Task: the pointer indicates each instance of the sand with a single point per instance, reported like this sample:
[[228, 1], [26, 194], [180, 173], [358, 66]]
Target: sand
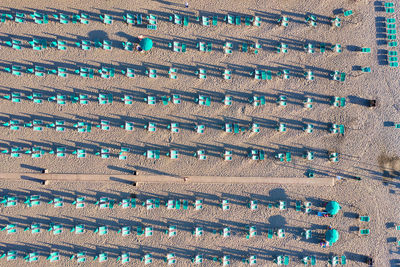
[[369, 146]]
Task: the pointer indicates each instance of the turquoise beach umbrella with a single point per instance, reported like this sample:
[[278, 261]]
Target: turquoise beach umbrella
[[332, 236], [333, 208], [146, 44]]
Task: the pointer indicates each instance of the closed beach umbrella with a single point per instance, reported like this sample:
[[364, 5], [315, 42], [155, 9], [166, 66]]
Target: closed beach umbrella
[[333, 208], [332, 236], [146, 44]]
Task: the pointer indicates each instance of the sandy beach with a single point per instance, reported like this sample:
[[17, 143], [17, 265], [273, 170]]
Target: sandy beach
[[369, 148]]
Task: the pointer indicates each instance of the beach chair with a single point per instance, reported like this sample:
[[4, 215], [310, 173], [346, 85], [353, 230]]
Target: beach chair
[[78, 229], [79, 202], [256, 21], [229, 19], [281, 100], [128, 126], [338, 101], [364, 232], [309, 48], [38, 44], [14, 44], [227, 155], [254, 127], [170, 258], [203, 100], [147, 259], [282, 48], [80, 257], [198, 231], [107, 73], [55, 228], [280, 127], [105, 99], [129, 18], [257, 101], [58, 202], [336, 48], [364, 218], [336, 22], [228, 47], [173, 127], [227, 74], [129, 72], [307, 234], [198, 204], [200, 154], [201, 73], [151, 127], [256, 154], [62, 18], [104, 203], [127, 203], [308, 103], [309, 260], [10, 228], [334, 260], [14, 97], [123, 153], [308, 155], [172, 73], [298, 205], [101, 230], [40, 18], [152, 154], [333, 156], [251, 231], [35, 228], [309, 75], [14, 70], [9, 255], [14, 125], [128, 46], [9, 201], [148, 231], [171, 231], [85, 72], [32, 257], [127, 99], [32, 201], [123, 258], [200, 128], [53, 256], [106, 19], [152, 73], [311, 20], [283, 21], [281, 205], [347, 13], [102, 257], [19, 17]]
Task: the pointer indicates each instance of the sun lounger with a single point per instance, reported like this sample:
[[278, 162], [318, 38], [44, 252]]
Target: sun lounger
[[251, 231], [364, 232], [198, 231], [307, 234], [123, 258], [80, 257], [202, 73], [101, 230], [129, 19], [106, 19], [336, 22]]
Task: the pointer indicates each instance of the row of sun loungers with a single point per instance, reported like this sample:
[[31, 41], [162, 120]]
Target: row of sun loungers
[[149, 204], [176, 46], [138, 18], [201, 154], [169, 259], [201, 73], [202, 100]]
